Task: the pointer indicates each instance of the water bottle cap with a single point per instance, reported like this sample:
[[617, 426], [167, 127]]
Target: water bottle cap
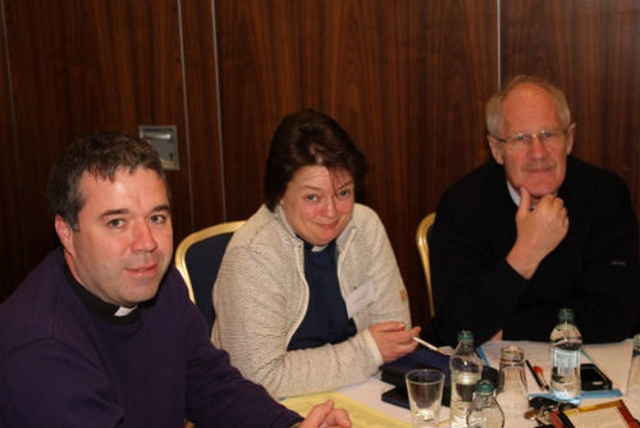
[[485, 386], [465, 336], [565, 314]]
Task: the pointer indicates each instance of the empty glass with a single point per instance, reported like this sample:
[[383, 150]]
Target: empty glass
[[512, 390], [424, 388]]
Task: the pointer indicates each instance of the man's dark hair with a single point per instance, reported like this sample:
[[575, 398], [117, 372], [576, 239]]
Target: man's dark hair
[[309, 138], [99, 154]]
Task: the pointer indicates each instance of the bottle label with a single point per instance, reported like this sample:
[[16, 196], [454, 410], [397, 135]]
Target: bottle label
[[464, 385], [565, 361]]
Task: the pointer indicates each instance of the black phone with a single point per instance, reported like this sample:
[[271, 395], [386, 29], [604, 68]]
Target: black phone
[[593, 379]]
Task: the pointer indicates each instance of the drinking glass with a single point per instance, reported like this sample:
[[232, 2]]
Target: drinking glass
[[424, 388], [632, 394], [512, 391]]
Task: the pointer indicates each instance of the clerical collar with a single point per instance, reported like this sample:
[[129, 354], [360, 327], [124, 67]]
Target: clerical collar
[[111, 313]]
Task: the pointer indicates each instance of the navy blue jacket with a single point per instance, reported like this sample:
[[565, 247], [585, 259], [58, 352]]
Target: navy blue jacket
[[594, 270]]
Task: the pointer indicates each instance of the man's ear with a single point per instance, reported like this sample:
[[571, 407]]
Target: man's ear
[[569, 137], [65, 233], [497, 149]]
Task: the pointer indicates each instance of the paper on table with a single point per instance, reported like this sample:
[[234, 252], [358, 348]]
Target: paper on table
[[360, 414], [613, 359], [614, 414]]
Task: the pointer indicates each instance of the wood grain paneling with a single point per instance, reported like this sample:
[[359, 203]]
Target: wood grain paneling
[[204, 154], [591, 49], [82, 65], [407, 80], [12, 266]]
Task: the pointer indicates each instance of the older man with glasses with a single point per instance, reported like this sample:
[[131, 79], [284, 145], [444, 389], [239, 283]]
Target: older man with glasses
[[532, 231]]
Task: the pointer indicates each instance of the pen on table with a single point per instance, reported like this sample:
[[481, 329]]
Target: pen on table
[[483, 356], [587, 355], [535, 375], [428, 345], [540, 373]]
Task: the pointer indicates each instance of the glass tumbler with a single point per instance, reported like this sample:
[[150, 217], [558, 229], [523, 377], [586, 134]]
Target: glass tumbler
[[512, 390], [424, 389]]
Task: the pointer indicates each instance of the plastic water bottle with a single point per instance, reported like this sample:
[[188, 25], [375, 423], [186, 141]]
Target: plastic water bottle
[[632, 394], [466, 369], [485, 411], [566, 342]]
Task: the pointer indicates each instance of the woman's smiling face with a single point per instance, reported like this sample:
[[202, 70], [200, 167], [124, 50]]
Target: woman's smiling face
[[318, 203]]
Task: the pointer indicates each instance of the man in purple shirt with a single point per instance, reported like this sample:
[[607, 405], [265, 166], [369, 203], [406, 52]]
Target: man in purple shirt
[[102, 332]]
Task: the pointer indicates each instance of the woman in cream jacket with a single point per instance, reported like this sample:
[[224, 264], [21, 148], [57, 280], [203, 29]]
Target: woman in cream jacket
[[309, 296]]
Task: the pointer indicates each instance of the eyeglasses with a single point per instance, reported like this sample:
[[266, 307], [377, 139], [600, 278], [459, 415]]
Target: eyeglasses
[[547, 137]]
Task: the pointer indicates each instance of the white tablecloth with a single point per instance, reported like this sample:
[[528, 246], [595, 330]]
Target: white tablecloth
[[613, 359]]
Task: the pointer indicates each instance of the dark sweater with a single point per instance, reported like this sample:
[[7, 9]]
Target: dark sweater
[[61, 365], [326, 319], [594, 270]]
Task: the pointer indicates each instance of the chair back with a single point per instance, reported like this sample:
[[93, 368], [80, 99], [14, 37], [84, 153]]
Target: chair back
[[422, 241], [198, 259]]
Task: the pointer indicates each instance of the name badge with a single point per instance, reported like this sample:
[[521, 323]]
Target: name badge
[[359, 298]]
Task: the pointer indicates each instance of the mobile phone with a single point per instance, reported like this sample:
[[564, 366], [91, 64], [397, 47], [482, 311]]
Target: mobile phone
[[593, 379]]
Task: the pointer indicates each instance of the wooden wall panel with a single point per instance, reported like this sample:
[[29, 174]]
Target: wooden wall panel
[[82, 65], [12, 266], [203, 150], [407, 80], [591, 49]]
